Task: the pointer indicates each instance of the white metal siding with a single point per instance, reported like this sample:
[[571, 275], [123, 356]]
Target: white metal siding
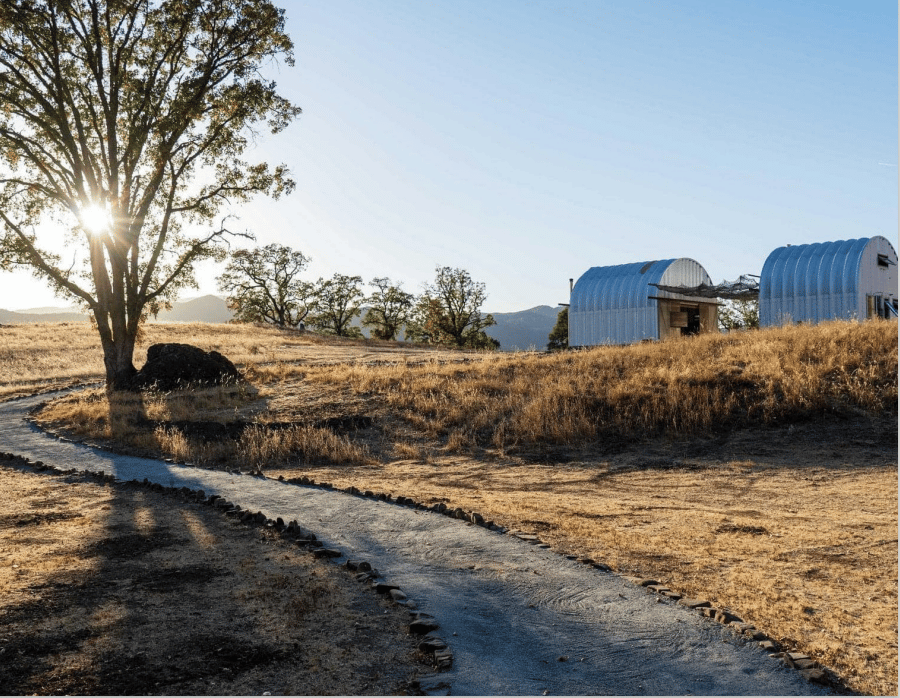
[[611, 305], [825, 280]]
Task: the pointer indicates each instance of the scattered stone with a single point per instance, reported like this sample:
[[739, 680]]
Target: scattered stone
[[326, 552], [358, 565], [804, 664], [444, 659], [369, 494], [431, 643], [815, 675], [658, 588], [458, 513], [709, 612], [724, 617], [693, 603], [741, 627], [364, 576], [645, 582], [385, 588], [476, 518], [757, 635], [397, 595], [423, 625], [769, 645]]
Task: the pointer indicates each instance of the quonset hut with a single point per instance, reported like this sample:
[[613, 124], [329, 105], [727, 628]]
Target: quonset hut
[[845, 279], [618, 304]]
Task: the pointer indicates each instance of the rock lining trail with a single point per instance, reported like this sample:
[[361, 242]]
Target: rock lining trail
[[520, 619]]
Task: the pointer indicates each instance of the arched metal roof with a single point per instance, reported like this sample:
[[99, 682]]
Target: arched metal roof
[[825, 280], [613, 305]]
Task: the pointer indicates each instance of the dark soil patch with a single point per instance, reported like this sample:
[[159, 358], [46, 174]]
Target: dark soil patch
[[167, 579], [35, 518], [734, 528], [131, 545]]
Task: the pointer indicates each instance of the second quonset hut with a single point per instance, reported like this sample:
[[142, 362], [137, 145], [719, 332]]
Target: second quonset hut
[[841, 280], [620, 305]]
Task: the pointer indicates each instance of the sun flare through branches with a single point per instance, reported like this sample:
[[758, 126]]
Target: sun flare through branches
[[95, 219]]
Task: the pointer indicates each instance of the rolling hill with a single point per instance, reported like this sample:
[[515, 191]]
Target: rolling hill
[[518, 331]]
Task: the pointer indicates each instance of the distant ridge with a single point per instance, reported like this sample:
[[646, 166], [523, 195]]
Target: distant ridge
[[519, 331], [9, 317], [208, 308], [525, 329]]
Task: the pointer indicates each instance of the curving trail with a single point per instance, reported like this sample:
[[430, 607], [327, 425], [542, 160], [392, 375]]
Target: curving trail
[[509, 610]]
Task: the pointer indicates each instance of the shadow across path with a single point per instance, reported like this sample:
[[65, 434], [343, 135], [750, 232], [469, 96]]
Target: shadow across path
[[519, 619]]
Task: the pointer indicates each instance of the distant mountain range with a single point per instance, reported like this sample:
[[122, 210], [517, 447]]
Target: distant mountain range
[[523, 330]]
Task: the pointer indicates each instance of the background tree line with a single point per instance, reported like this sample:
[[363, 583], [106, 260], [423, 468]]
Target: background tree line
[[264, 285]]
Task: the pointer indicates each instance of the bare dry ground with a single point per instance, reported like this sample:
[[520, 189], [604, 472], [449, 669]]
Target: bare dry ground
[[118, 590], [758, 472]]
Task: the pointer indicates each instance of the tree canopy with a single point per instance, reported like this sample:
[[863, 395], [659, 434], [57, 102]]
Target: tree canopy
[[125, 123], [389, 308], [739, 315], [338, 301], [559, 335], [263, 285], [449, 312]]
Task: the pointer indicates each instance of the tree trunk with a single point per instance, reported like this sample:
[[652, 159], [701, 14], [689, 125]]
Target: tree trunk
[[117, 357]]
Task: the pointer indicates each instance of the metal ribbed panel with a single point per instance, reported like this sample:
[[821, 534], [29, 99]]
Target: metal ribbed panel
[[610, 305], [825, 280]]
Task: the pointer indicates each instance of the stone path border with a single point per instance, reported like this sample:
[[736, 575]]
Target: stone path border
[[520, 619]]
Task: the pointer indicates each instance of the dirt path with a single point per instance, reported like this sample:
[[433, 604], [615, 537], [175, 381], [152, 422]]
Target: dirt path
[[519, 619]]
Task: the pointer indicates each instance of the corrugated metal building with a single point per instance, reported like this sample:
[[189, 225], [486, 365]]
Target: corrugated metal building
[[618, 305], [845, 279]]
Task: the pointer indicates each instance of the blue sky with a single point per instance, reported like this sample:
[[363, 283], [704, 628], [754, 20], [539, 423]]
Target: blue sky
[[529, 141]]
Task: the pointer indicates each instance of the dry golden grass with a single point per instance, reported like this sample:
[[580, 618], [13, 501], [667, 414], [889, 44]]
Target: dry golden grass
[[757, 470], [113, 590], [686, 386], [58, 354], [801, 543]]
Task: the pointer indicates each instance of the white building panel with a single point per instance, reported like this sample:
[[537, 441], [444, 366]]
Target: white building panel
[[845, 279], [616, 304]]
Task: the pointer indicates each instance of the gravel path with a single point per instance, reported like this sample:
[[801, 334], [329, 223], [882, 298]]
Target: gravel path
[[520, 620]]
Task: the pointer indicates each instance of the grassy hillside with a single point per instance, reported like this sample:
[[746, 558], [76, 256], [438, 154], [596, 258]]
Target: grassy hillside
[[755, 470]]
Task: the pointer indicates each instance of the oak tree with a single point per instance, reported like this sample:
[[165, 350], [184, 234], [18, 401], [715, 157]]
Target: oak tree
[[449, 312], [338, 301], [125, 122], [389, 309], [263, 285]]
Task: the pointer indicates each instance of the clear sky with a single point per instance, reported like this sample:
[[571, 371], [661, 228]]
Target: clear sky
[[529, 141]]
